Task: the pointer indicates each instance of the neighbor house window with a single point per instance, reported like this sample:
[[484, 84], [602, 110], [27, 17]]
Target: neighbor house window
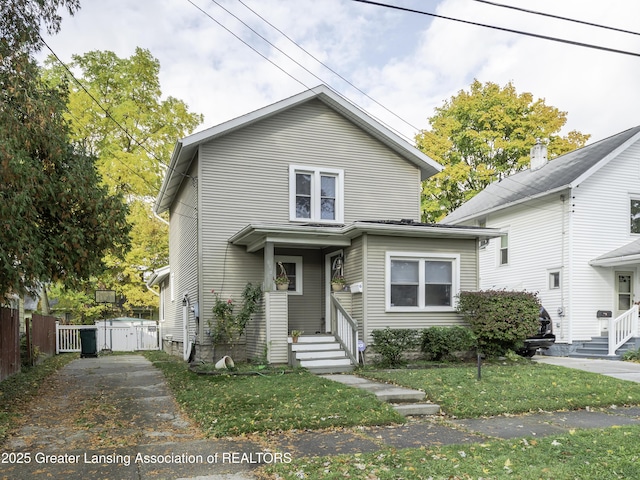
[[417, 281], [293, 266], [316, 194], [554, 280], [504, 250], [635, 215]]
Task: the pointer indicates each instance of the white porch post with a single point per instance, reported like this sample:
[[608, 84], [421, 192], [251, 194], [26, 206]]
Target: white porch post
[[269, 267]]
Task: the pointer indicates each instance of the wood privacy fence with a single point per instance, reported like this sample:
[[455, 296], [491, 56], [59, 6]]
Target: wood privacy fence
[[9, 342], [43, 334]]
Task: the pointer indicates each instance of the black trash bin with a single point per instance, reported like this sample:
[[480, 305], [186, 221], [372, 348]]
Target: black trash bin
[[88, 342]]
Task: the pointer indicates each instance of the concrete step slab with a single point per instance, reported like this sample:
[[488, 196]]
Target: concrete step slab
[[313, 355], [384, 391], [415, 409]]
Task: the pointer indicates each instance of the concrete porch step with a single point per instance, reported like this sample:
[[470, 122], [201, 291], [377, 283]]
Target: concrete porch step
[[598, 348], [404, 400], [325, 362], [315, 347], [320, 354]]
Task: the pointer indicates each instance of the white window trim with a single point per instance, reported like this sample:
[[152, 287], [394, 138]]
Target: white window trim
[[298, 261], [508, 248], [316, 172], [455, 280]]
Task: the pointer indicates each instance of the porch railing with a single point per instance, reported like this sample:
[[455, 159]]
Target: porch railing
[[622, 329], [345, 329]]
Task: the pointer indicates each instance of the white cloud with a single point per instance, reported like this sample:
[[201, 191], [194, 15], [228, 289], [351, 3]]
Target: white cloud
[[409, 63]]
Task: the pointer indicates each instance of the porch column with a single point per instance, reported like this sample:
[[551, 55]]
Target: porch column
[[269, 267]]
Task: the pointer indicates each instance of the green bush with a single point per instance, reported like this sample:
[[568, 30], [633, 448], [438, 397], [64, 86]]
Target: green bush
[[631, 356], [500, 319], [442, 343], [391, 344]]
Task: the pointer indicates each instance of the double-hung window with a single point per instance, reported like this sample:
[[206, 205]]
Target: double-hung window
[[504, 250], [417, 281], [316, 194], [634, 214]]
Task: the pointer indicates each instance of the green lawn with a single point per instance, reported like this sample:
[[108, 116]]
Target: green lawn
[[519, 388], [225, 405], [583, 454]]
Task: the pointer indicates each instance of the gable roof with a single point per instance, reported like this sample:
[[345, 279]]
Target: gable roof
[[186, 148], [564, 172]]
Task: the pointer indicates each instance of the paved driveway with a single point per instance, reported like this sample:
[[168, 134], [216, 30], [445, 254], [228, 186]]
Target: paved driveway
[[612, 368], [112, 417]]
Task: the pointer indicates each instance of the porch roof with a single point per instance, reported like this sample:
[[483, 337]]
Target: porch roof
[[628, 254], [255, 236], [158, 276]]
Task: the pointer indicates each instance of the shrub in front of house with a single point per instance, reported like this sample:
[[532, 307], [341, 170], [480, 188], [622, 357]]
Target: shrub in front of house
[[393, 343], [446, 343], [500, 319]]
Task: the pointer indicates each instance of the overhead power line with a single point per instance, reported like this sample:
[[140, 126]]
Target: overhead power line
[[503, 29], [327, 66], [558, 17], [287, 56]]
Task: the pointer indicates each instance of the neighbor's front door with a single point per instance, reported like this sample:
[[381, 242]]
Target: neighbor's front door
[[624, 291]]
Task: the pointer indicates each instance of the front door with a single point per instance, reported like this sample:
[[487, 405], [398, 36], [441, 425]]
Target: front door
[[624, 292], [334, 265]]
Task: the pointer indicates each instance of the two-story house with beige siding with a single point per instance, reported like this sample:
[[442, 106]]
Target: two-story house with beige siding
[[571, 233], [316, 185]]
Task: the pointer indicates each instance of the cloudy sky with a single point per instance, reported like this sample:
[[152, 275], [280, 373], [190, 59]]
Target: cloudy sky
[[212, 55]]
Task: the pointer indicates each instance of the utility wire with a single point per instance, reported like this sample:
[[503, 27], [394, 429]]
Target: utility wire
[[259, 53], [503, 29], [107, 113], [327, 66], [286, 55], [126, 132], [558, 17]]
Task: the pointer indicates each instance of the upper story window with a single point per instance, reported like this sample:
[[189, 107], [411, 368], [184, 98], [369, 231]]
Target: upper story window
[[635, 215], [316, 194]]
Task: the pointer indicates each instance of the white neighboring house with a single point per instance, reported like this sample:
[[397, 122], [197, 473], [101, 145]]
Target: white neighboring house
[[573, 236]]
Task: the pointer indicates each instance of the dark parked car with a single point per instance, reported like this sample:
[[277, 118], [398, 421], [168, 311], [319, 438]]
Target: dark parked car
[[543, 339]]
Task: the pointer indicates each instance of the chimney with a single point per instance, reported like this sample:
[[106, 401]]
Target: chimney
[[538, 155]]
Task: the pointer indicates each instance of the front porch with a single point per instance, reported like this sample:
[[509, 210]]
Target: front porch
[[620, 335], [333, 351]]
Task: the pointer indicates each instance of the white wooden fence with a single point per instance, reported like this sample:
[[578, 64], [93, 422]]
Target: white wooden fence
[[117, 338]]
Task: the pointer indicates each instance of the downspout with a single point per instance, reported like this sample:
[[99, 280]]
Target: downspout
[[185, 326], [563, 274], [159, 217]]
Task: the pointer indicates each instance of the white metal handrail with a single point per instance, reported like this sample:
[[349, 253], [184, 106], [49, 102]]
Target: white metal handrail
[[345, 329], [622, 329]]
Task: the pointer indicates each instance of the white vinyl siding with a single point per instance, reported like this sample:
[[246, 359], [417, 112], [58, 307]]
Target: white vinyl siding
[[600, 224], [535, 247]]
